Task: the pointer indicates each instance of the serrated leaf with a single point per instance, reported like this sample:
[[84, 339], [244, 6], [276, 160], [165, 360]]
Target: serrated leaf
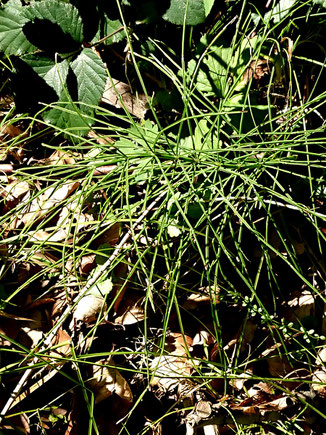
[[53, 73], [111, 26], [91, 78], [12, 39], [66, 115], [279, 11], [63, 14], [194, 10], [219, 63], [212, 75]]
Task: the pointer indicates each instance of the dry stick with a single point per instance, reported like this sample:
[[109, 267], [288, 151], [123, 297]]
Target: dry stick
[[66, 313]]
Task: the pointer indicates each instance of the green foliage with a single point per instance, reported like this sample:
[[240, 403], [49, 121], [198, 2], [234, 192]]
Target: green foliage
[[320, 2], [190, 12], [221, 190], [12, 37], [217, 68], [280, 10], [91, 77], [58, 59], [48, 37], [52, 72], [65, 15]]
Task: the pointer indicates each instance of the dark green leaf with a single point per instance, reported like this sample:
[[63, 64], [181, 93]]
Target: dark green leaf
[[212, 74], [57, 12], [67, 116], [91, 78], [111, 26], [195, 11], [279, 11], [54, 73], [12, 39]]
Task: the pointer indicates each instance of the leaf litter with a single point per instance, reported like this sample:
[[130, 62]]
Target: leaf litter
[[206, 374]]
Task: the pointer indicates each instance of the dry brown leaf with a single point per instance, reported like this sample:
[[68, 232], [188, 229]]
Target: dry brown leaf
[[12, 131], [6, 168], [87, 264], [74, 209], [261, 386], [262, 402], [100, 139], [132, 315], [302, 305], [12, 316], [104, 170], [205, 296], [203, 338], [57, 236], [46, 201], [30, 337], [106, 380], [8, 328], [168, 369], [319, 375], [290, 46], [88, 308], [39, 302], [119, 94], [238, 383], [109, 236], [63, 157], [178, 344], [257, 70], [278, 366], [62, 345], [16, 190]]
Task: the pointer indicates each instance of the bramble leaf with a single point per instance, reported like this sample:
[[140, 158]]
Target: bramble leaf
[[63, 14], [212, 75], [91, 78], [196, 11], [12, 38], [67, 116], [111, 26], [279, 11], [54, 73]]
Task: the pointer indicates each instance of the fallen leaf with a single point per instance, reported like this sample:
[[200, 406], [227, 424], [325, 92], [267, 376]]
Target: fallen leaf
[[132, 315], [61, 157], [87, 263], [88, 308], [106, 380], [302, 305], [319, 375], [120, 95], [257, 70], [204, 296], [6, 168], [44, 203], [168, 369], [61, 343]]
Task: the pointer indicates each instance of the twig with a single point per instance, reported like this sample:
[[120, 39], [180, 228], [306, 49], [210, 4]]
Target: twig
[[66, 313]]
